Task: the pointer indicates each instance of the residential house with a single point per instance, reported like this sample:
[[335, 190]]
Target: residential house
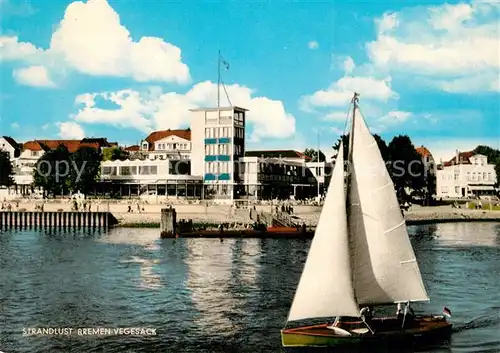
[[33, 150], [167, 144], [10, 145], [466, 175]]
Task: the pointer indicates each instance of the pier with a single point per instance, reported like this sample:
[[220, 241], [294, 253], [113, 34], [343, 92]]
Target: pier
[[58, 219]]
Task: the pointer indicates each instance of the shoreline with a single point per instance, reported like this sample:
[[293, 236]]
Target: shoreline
[[156, 225], [147, 215]]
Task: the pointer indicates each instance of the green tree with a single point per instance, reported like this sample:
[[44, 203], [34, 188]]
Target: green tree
[[345, 140], [313, 154], [382, 146], [493, 156], [52, 170], [6, 169], [406, 167], [85, 168], [114, 153]]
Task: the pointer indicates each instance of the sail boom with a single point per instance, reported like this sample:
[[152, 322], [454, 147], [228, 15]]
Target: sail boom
[[394, 302]]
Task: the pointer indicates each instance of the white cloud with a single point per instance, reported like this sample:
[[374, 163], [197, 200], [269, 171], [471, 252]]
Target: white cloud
[[387, 22], [154, 109], [36, 76], [70, 130], [337, 131], [313, 44], [340, 93], [91, 39], [395, 117], [349, 65], [457, 44], [12, 49], [15, 125], [336, 116]]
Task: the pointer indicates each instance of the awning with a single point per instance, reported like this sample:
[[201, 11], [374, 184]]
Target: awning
[[481, 187]]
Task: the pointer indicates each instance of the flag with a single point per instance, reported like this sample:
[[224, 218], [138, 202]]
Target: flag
[[446, 312], [224, 62]]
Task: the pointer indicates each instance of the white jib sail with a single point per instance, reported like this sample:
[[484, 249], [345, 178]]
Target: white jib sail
[[325, 287], [385, 269]]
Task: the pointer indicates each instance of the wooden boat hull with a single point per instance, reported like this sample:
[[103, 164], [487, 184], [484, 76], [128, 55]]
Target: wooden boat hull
[[422, 329]]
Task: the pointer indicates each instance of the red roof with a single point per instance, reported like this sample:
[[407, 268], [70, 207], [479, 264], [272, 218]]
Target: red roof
[[463, 158], [71, 145], [423, 151], [159, 135], [32, 146], [133, 148]]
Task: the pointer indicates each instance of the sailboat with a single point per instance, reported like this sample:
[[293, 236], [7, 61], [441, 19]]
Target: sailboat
[[360, 257]]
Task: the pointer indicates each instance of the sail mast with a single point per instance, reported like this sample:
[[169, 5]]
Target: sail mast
[[354, 102]]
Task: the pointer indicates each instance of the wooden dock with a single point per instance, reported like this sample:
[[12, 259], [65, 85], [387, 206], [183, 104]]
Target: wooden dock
[[59, 219]]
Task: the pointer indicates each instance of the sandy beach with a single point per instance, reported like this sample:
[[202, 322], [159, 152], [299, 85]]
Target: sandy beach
[[150, 213]]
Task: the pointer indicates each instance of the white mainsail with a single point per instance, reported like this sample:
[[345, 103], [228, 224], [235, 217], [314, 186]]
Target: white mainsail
[[384, 266], [325, 288]]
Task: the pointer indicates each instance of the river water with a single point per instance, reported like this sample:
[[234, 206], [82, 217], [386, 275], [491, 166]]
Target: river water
[[204, 295]]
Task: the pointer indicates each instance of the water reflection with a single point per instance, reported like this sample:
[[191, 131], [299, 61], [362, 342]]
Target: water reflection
[[146, 256], [204, 295], [468, 234], [209, 264]]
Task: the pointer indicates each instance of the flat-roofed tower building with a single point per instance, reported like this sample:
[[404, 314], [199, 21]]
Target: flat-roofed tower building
[[218, 142]]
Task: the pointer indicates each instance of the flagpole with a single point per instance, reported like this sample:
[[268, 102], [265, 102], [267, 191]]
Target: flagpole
[[218, 81], [319, 167]]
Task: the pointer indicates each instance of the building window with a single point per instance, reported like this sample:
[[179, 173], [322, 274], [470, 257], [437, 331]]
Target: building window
[[125, 171], [225, 119], [210, 150], [223, 149], [210, 132], [457, 189], [109, 170], [457, 176], [148, 170], [145, 146], [34, 153]]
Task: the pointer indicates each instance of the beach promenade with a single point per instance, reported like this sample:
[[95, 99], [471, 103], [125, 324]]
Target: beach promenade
[[143, 213]]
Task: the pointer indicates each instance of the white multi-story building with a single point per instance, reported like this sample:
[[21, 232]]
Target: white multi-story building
[[282, 174], [167, 144], [218, 142], [466, 175], [8, 144], [158, 178]]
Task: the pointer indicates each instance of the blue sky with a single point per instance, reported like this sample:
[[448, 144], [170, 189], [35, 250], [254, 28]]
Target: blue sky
[[124, 68]]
